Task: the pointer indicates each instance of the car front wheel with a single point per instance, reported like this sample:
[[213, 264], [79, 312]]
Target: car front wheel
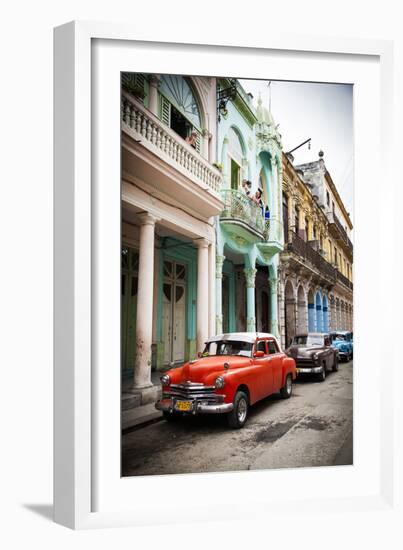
[[286, 390], [336, 363], [322, 375], [237, 417]]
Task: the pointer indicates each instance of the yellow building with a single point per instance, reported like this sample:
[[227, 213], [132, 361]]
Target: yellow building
[[316, 267]]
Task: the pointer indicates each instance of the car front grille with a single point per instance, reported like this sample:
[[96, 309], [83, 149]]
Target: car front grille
[[306, 362], [192, 391]]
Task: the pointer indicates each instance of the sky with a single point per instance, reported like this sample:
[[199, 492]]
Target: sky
[[322, 112]]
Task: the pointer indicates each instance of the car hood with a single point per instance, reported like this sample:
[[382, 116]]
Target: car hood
[[206, 369], [340, 344], [303, 351]]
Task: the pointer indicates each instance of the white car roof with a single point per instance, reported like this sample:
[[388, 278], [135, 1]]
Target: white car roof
[[241, 337]]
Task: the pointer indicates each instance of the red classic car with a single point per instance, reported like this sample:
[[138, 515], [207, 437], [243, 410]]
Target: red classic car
[[235, 371]]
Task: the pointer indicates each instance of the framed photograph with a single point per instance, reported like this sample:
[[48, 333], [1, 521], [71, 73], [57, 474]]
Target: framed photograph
[[219, 236]]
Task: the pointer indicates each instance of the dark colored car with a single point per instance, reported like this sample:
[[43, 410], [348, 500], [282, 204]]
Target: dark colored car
[[314, 354]]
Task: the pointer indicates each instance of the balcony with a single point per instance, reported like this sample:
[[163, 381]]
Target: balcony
[[340, 232], [241, 210], [342, 278], [246, 218], [305, 251], [155, 154]]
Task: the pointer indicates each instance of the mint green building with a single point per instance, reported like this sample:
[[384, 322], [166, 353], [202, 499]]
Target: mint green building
[[249, 235]]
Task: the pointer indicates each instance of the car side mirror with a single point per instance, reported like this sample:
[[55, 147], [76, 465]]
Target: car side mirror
[[258, 353]]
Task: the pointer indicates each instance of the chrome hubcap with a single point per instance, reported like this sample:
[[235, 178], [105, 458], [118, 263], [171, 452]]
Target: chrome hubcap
[[289, 384], [242, 409]]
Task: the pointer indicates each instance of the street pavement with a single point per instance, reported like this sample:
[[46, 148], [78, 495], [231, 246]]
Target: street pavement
[[312, 428]]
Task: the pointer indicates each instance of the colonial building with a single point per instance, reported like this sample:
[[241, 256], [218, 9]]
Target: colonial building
[[316, 267], [249, 232], [170, 197]]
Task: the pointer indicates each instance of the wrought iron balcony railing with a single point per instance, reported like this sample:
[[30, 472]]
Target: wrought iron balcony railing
[[164, 142], [344, 279], [305, 251], [333, 219], [239, 207]]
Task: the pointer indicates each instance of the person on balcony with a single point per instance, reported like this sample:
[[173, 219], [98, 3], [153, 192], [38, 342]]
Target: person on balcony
[[192, 139], [257, 199], [246, 185]]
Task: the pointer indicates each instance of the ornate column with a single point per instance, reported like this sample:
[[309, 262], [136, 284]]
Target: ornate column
[[153, 94], [274, 324], [218, 293], [212, 276], [250, 275], [144, 323], [202, 293], [206, 135]]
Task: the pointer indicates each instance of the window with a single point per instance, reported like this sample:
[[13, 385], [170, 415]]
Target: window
[[327, 198], [261, 346], [179, 108], [272, 347], [235, 175]]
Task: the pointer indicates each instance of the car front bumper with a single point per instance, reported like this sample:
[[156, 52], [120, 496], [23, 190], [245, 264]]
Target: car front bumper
[[309, 370], [169, 404]]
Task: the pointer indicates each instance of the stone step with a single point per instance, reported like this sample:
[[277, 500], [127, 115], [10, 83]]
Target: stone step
[[130, 400], [140, 415]]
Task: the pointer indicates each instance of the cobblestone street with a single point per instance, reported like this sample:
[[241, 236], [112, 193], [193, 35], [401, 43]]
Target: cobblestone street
[[313, 428]]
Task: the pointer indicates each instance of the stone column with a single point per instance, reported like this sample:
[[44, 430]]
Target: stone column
[[274, 307], [202, 293], [206, 136], [144, 324], [250, 275], [153, 94], [218, 293], [212, 276]]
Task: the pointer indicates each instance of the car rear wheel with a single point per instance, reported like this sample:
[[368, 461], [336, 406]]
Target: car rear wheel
[[286, 390], [336, 363], [237, 417]]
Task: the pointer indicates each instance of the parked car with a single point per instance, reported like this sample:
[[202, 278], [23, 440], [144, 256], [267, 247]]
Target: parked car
[[234, 371], [313, 354], [342, 340]]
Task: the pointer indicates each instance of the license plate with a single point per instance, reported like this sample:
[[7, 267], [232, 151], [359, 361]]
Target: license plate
[[183, 406]]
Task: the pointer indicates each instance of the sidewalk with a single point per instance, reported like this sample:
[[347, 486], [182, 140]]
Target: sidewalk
[[139, 407]]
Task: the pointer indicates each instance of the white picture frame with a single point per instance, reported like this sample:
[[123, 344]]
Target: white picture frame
[[88, 490]]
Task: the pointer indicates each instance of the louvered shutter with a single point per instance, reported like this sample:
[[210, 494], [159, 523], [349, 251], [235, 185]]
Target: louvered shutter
[[198, 141], [165, 111]]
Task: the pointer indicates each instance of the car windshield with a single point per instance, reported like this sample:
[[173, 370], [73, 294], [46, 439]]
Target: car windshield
[[228, 347], [308, 340], [340, 337]]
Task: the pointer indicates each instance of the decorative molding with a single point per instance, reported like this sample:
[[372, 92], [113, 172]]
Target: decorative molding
[[218, 266], [250, 276]]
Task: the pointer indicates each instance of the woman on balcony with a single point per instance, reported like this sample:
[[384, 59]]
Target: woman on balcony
[[257, 199]]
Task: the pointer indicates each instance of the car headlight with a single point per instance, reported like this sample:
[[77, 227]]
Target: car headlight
[[219, 382], [165, 380]]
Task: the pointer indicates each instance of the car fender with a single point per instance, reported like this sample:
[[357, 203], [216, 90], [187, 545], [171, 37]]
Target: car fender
[[288, 366]]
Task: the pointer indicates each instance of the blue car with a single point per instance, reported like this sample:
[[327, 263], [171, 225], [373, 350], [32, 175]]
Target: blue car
[[342, 340]]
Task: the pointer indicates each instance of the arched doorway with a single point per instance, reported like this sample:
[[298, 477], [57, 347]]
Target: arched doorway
[[311, 312], [290, 318], [318, 307], [302, 311], [325, 310]]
